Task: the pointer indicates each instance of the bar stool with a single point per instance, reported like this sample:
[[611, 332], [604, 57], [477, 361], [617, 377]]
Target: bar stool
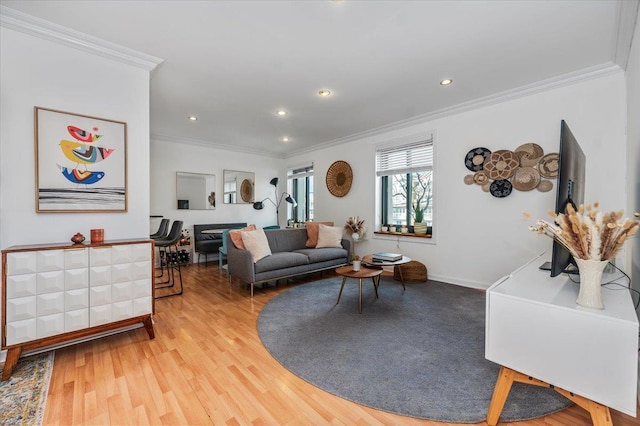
[[162, 231], [170, 259]]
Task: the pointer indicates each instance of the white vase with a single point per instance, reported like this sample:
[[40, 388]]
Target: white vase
[[590, 281]]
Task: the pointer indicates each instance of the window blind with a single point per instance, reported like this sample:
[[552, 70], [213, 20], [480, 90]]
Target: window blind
[[406, 158], [299, 172]]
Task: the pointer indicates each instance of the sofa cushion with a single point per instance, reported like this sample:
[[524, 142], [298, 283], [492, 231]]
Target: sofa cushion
[[329, 236], [237, 238], [256, 242], [286, 239], [312, 232], [316, 255], [281, 260]]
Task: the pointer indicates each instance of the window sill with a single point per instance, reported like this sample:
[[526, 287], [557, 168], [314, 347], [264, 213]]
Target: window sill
[[405, 234]]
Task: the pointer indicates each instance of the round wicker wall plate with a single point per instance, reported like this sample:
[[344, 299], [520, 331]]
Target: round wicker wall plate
[[525, 179], [339, 178], [245, 190], [549, 164], [529, 154]]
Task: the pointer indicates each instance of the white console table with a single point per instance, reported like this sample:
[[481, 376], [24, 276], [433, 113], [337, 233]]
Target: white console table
[[538, 334]]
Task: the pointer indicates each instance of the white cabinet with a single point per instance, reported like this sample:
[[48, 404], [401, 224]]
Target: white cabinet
[[56, 293], [533, 326]]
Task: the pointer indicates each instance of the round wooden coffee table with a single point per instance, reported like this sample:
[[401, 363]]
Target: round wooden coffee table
[[364, 272], [368, 261]]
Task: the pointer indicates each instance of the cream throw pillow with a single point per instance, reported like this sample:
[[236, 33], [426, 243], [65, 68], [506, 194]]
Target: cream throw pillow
[[329, 236], [257, 244]]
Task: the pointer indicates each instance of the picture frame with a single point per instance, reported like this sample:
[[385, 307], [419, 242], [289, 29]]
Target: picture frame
[[80, 163]]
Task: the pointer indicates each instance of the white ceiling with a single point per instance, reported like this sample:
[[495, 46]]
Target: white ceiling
[[233, 64]]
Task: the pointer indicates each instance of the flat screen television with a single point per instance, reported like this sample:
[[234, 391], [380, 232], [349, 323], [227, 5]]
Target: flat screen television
[[569, 190]]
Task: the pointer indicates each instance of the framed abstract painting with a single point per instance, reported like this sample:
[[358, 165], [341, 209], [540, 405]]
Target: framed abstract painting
[[81, 163]]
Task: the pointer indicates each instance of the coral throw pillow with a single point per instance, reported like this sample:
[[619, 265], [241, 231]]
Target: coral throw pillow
[[329, 236], [237, 238], [257, 244], [312, 232]]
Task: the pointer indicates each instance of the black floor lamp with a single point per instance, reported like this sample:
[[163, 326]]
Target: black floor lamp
[[259, 205]]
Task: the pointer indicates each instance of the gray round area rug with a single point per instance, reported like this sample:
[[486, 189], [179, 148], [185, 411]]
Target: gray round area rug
[[418, 353]]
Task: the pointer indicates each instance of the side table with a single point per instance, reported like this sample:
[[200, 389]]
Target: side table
[[367, 260], [364, 272]]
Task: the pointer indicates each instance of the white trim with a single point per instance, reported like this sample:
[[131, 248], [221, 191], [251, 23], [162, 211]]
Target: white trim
[[15, 20], [213, 145], [585, 74], [626, 23]]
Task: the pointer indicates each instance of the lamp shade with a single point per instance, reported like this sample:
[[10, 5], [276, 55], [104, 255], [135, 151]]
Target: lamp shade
[[274, 181], [258, 205], [291, 200]]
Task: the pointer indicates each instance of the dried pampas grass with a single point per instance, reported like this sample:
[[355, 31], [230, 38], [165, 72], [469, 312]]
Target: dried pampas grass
[[588, 233]]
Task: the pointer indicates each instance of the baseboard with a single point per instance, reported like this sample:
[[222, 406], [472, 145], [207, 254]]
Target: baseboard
[[464, 283]]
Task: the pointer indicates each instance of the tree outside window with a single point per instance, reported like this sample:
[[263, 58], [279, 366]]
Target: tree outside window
[[412, 197]]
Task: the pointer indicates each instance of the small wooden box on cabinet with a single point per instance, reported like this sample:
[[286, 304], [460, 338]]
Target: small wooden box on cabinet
[[55, 293]]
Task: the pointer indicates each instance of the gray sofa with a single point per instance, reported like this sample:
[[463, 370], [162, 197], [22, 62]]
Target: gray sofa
[[289, 257]]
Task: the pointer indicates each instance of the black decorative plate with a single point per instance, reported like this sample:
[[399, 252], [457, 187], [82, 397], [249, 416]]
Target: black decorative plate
[[474, 159], [500, 188]]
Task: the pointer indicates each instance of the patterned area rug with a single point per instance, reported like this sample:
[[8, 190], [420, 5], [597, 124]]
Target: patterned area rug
[[24, 395]]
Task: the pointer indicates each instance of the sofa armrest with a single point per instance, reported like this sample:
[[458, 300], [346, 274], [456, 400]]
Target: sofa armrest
[[240, 263], [346, 244]]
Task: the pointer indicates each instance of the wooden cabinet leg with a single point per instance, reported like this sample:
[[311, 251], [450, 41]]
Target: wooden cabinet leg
[[500, 394], [148, 325], [12, 359], [600, 414]]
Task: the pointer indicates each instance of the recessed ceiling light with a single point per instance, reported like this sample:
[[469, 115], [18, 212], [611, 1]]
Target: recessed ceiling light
[[324, 93], [193, 118], [285, 139], [281, 113], [446, 82]]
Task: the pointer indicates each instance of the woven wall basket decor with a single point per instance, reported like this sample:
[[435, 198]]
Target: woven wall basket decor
[[246, 190], [339, 178]]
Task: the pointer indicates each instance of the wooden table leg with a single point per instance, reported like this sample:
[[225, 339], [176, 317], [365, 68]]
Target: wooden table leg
[[359, 295], [375, 285], [401, 278], [344, 279]]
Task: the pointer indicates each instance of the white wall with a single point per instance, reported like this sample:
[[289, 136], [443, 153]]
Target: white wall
[[479, 238], [633, 150], [169, 157], [36, 72]]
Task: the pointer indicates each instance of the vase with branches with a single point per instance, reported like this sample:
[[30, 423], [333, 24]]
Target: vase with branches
[[593, 239]]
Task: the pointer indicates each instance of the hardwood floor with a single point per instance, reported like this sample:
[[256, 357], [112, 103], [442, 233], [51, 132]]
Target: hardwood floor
[[207, 366]]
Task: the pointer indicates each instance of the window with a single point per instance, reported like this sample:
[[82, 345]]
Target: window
[[300, 186], [405, 174]]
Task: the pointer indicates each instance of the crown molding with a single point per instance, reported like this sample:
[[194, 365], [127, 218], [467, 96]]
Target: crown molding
[[626, 23], [18, 21], [585, 74], [207, 144]]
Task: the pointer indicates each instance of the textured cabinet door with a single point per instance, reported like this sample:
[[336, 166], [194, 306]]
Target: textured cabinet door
[[125, 283], [37, 292]]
